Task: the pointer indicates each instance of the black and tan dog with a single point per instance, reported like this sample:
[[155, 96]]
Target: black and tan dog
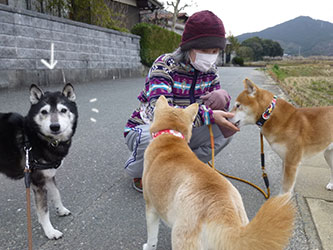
[[47, 129]]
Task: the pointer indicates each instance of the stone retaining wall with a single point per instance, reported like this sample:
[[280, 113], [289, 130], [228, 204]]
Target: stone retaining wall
[[84, 52]]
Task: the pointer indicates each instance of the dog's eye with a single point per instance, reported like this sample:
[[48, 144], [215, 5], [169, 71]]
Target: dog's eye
[[237, 105], [63, 110], [44, 112]]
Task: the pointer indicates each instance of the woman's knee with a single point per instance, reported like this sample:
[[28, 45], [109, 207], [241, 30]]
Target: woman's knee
[[221, 142], [138, 136]]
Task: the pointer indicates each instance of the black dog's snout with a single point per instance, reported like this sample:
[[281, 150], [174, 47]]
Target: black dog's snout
[[55, 127]]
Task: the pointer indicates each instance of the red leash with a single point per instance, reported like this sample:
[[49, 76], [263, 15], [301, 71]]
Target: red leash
[[27, 181]]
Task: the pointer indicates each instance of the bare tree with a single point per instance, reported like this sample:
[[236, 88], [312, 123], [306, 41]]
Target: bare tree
[[176, 8]]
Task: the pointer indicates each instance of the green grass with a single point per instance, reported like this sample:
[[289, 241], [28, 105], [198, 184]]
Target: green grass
[[279, 73]]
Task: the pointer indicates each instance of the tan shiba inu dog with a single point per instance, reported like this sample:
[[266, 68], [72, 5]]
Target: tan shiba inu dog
[[203, 208], [293, 133]]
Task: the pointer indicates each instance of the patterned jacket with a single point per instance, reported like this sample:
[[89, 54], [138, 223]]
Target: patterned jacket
[[181, 84]]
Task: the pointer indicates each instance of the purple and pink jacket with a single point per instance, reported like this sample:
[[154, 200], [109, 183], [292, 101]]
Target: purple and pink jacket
[[181, 84]]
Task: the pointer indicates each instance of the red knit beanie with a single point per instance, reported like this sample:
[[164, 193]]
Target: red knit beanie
[[203, 30]]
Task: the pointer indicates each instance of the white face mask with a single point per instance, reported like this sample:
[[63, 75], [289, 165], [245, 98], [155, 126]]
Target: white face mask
[[203, 62]]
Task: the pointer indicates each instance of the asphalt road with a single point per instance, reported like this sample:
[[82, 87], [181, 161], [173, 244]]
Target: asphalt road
[[106, 212]]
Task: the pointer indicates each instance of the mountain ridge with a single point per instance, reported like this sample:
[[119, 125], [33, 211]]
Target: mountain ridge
[[302, 35]]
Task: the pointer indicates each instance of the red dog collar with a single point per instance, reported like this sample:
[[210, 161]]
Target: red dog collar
[[168, 131]]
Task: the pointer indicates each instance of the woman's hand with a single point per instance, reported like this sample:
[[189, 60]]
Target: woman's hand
[[217, 99], [221, 119]]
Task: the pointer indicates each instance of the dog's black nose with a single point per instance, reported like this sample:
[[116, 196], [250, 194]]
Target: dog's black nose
[[55, 127]]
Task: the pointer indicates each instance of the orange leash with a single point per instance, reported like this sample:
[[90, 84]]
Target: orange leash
[[264, 175]]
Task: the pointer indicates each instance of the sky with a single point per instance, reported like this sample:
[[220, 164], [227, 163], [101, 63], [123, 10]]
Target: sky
[[242, 16]]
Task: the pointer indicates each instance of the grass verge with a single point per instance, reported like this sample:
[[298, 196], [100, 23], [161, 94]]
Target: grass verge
[[308, 84]]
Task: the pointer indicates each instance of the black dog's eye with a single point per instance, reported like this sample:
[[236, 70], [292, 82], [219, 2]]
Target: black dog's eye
[[44, 112], [63, 110]]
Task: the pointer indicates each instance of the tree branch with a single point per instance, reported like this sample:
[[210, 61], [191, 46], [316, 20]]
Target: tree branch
[[182, 8]]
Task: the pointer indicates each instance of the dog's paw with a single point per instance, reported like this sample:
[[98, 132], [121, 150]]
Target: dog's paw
[[53, 234], [62, 211], [329, 186], [149, 247]]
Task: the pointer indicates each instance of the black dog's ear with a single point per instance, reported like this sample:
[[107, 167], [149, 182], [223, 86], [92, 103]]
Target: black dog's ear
[[68, 91], [35, 94]]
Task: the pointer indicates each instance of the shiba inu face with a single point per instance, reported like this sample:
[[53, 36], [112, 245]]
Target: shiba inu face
[[247, 105], [55, 115], [243, 115]]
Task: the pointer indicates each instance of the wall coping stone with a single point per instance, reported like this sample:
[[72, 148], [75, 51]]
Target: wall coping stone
[[63, 20]]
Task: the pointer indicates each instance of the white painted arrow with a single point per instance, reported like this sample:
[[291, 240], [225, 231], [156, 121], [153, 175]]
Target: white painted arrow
[[52, 62]]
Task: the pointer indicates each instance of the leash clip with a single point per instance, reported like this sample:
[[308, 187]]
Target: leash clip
[[54, 143], [27, 150], [27, 171]]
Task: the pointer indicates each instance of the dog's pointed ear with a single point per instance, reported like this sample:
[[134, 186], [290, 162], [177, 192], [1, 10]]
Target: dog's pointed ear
[[192, 110], [35, 94], [250, 87], [68, 91], [161, 102]]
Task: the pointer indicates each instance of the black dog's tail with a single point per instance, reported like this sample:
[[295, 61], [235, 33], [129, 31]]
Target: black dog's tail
[[11, 144]]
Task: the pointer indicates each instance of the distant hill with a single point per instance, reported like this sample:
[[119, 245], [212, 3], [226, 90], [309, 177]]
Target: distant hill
[[302, 35]]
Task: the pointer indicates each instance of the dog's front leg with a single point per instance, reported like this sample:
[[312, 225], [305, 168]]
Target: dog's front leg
[[289, 177], [56, 198], [329, 159], [290, 167], [152, 220], [43, 212]]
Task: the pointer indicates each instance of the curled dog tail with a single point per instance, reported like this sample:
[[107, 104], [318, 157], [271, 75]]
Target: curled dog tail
[[270, 229]]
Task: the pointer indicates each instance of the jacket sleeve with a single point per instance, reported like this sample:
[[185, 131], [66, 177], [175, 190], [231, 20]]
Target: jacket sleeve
[[158, 82], [205, 114]]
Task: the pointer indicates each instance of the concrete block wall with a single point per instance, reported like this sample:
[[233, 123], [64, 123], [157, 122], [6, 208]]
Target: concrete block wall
[[84, 52]]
